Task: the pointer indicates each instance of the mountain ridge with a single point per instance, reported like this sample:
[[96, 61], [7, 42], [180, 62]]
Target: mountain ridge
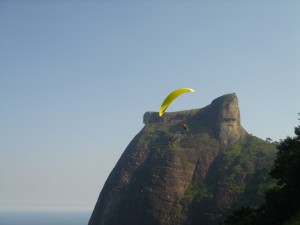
[[167, 175]]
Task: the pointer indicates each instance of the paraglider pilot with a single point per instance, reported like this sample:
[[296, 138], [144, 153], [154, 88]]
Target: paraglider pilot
[[185, 126]]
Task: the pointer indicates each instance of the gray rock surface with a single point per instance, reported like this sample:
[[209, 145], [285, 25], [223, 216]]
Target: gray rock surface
[[169, 176]]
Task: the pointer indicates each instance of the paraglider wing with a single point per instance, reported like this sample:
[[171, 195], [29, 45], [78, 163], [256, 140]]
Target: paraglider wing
[[171, 97]]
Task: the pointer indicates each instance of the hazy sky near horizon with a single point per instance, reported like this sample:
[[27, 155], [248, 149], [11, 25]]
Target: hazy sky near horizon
[[76, 78]]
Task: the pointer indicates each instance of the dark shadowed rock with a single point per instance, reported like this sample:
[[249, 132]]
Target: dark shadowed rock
[[169, 176]]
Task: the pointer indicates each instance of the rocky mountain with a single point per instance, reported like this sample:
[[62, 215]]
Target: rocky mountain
[[170, 176]]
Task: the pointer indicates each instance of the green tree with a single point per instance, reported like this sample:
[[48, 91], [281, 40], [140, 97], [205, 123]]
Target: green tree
[[283, 201]]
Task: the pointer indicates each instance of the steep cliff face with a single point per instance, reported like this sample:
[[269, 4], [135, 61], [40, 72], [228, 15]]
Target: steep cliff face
[[169, 176]]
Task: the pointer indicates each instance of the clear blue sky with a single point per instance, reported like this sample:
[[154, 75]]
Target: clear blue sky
[[76, 79]]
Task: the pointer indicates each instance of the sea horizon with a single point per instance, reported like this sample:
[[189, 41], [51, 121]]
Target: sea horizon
[[44, 216]]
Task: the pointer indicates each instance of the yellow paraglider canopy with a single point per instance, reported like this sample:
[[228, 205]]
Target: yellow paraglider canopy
[[169, 99]]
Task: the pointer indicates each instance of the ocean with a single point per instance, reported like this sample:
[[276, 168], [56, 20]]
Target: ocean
[[44, 217]]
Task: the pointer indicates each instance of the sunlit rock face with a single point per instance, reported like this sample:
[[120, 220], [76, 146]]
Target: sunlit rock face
[[169, 176], [227, 118]]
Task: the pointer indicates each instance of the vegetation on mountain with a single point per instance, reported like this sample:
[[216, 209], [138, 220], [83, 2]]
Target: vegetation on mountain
[[168, 175], [282, 201]]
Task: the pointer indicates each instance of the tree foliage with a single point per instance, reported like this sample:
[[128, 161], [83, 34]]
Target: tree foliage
[[282, 202]]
